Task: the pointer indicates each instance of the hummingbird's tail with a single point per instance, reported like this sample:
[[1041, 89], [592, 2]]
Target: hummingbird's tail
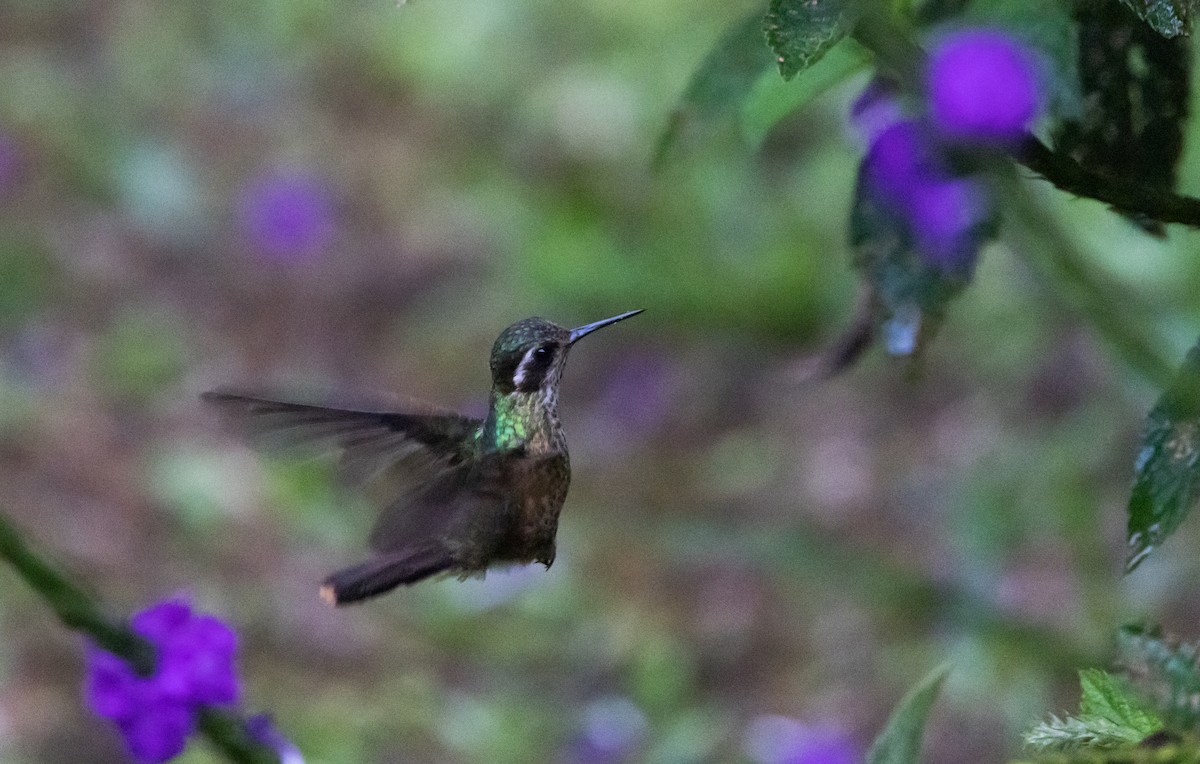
[[384, 573]]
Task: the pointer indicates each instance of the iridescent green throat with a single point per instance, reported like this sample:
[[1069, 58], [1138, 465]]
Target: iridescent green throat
[[518, 419]]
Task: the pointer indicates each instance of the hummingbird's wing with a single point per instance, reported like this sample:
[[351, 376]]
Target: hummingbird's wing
[[368, 443], [464, 500], [456, 523]]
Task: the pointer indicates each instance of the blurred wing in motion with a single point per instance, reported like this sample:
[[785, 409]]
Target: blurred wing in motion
[[452, 524], [416, 445]]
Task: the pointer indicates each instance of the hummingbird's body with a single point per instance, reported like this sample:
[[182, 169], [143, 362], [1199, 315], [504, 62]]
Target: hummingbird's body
[[476, 493]]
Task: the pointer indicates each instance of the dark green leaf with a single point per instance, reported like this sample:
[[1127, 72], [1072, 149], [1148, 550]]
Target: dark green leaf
[[1167, 473], [718, 88], [1135, 87], [801, 31], [911, 293], [1165, 672], [900, 740], [1170, 18]]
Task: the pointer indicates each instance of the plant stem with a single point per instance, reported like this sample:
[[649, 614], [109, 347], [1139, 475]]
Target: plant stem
[[72, 605], [81, 612]]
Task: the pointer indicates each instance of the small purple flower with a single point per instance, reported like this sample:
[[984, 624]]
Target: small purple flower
[[286, 215], [982, 87], [782, 740], [193, 668], [613, 727], [262, 728], [111, 687], [160, 735], [945, 215], [903, 156], [877, 108], [905, 171]]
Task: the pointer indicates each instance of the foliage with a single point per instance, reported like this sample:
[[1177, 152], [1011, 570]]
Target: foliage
[[800, 32], [1167, 472], [1165, 672], [900, 740], [1110, 716]]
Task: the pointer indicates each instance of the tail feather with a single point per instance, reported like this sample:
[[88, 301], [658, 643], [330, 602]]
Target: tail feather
[[384, 573]]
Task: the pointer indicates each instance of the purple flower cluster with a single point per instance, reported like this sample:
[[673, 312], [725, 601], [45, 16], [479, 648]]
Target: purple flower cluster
[[981, 91], [261, 728], [286, 216], [194, 667]]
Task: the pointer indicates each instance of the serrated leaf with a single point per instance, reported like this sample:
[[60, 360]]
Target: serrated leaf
[[1165, 673], [900, 740], [1108, 697], [1110, 716], [772, 98], [1076, 733], [1135, 87], [801, 31], [719, 86], [1170, 18], [1167, 473], [911, 292]]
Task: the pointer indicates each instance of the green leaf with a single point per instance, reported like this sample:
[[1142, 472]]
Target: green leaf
[[773, 98], [1170, 18], [1165, 672], [910, 292], [1110, 716], [900, 740], [1167, 472], [801, 31], [1108, 697], [1134, 86], [718, 88]]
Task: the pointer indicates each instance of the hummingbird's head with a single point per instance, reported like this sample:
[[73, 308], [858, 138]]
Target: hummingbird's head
[[529, 355]]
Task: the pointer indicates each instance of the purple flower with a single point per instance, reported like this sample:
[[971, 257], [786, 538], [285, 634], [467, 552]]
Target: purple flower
[[613, 727], [905, 171], [876, 109], [982, 87], [945, 215], [286, 215], [161, 735], [193, 668], [262, 728], [782, 740], [903, 156]]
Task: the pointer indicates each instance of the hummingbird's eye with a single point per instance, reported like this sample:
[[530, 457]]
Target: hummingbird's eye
[[533, 368]]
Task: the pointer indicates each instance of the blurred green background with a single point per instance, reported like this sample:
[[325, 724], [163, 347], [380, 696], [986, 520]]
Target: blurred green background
[[299, 197]]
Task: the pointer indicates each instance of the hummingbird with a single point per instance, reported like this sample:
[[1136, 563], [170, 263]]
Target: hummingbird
[[460, 494]]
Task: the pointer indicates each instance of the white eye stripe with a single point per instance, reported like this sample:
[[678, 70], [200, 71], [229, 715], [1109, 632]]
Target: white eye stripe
[[528, 361], [523, 367]]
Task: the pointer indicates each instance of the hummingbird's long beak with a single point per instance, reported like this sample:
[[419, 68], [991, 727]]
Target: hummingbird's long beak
[[587, 329]]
